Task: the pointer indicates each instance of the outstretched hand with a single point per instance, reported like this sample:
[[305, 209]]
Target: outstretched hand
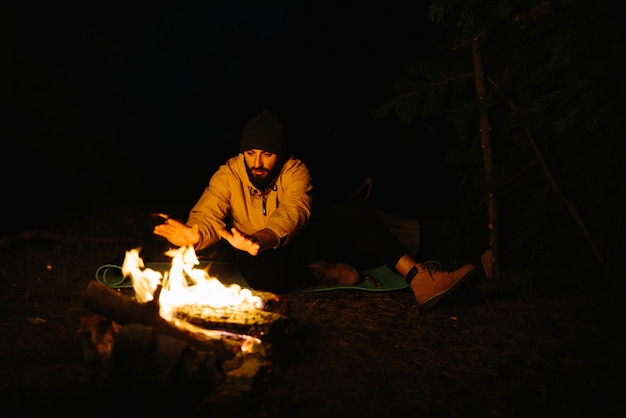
[[241, 241], [177, 232]]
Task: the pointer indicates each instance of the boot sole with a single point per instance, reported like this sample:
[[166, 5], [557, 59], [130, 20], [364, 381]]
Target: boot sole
[[429, 304]]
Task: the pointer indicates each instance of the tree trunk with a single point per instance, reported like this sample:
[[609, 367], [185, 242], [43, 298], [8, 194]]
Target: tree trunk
[[491, 257]]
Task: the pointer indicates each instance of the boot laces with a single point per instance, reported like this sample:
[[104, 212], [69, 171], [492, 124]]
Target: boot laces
[[431, 266]]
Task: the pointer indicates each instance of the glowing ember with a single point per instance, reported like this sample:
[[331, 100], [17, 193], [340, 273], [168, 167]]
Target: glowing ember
[[185, 285]]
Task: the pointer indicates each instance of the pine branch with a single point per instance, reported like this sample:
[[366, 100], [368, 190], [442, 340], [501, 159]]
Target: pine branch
[[557, 189]]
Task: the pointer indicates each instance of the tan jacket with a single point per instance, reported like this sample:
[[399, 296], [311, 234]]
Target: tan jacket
[[230, 194]]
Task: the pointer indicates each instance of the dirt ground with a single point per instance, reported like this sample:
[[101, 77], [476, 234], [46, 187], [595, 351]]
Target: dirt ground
[[533, 346]]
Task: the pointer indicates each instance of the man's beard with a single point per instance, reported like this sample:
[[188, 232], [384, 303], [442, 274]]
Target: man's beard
[[262, 183]]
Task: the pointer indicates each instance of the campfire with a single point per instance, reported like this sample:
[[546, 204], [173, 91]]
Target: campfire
[[188, 295], [238, 326]]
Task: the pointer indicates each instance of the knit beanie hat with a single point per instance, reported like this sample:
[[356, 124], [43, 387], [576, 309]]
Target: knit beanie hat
[[265, 132]]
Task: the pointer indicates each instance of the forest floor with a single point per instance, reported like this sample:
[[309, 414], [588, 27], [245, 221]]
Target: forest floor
[[518, 347]]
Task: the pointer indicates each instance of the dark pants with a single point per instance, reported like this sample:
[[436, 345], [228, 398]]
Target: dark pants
[[348, 231]]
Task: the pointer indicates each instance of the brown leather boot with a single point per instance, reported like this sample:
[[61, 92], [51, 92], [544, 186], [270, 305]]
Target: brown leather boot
[[430, 284], [341, 274]]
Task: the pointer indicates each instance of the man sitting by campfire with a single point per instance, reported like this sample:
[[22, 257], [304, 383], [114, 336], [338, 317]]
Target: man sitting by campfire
[[261, 202]]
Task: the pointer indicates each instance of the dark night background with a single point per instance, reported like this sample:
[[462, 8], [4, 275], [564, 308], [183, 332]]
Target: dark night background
[[136, 103], [112, 110]]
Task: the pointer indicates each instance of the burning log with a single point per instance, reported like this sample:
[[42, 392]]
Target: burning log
[[118, 307], [185, 324], [240, 344], [231, 328], [256, 323], [125, 310]]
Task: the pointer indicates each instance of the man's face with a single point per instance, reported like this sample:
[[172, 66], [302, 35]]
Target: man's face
[[260, 165]]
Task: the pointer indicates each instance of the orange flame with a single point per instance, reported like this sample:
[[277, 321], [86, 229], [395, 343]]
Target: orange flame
[[184, 284]]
